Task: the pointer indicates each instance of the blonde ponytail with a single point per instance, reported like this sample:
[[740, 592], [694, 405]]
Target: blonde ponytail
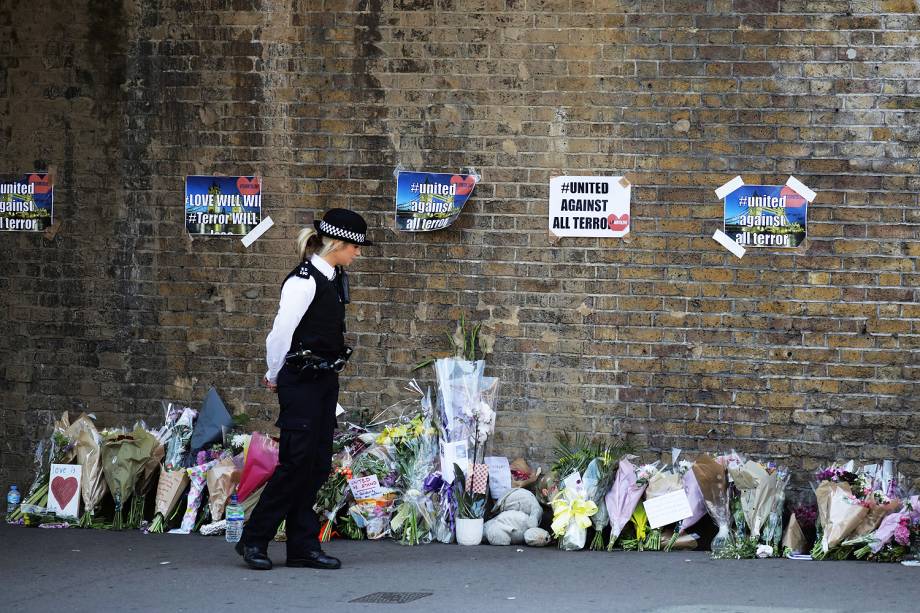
[[309, 241]]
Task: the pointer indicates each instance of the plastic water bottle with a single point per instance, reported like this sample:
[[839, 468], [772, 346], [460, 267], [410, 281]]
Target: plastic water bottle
[[12, 501], [234, 517]]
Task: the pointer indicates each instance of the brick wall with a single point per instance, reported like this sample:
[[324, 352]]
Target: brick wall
[[802, 355]]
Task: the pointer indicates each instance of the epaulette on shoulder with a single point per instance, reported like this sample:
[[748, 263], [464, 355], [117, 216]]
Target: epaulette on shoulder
[[303, 271]]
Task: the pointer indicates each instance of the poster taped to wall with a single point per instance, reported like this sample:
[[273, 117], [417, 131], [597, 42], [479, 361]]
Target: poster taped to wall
[[229, 206], [427, 201], [766, 216], [26, 202], [589, 206]]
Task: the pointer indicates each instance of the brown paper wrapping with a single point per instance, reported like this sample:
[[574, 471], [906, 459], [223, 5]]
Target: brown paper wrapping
[[148, 475], [794, 538], [838, 513], [874, 517], [88, 454], [758, 489], [710, 475], [222, 479], [663, 482], [170, 488]]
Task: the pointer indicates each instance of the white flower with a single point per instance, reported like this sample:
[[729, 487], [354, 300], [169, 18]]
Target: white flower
[[764, 551]]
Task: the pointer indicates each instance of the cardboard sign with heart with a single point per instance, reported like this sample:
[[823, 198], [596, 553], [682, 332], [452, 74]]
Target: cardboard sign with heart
[[63, 489]]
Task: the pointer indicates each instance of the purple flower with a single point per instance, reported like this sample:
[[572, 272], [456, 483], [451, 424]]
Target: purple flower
[[433, 482]]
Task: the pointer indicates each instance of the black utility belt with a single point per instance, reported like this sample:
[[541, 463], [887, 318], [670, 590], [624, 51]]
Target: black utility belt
[[306, 360]]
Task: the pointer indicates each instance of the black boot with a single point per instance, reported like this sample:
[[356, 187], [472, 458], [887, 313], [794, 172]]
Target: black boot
[[255, 557], [314, 559]]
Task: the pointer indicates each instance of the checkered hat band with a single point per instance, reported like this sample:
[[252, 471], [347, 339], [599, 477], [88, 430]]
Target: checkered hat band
[[331, 230]]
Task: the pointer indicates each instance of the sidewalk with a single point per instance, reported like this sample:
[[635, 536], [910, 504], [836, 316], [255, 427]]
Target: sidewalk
[[80, 570]]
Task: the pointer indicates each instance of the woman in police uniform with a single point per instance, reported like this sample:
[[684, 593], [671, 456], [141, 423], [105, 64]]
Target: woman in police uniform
[[305, 351]]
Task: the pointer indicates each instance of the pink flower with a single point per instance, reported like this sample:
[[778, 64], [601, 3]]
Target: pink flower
[[902, 533]]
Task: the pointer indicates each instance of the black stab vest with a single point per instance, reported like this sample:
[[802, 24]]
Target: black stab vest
[[322, 327]]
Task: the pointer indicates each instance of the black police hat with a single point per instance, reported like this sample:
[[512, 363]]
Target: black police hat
[[343, 225]]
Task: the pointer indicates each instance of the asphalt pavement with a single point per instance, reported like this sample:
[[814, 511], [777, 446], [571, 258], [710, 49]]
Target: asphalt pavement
[[97, 570]]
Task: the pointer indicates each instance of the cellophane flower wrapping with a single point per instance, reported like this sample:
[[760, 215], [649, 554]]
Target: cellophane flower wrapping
[[88, 441], [622, 498], [123, 459], [373, 514], [414, 518], [694, 497], [465, 412], [597, 480], [713, 483], [179, 439], [761, 492], [572, 512], [198, 479]]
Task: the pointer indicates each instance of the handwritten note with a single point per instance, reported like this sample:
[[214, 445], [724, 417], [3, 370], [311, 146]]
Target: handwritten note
[[365, 487]]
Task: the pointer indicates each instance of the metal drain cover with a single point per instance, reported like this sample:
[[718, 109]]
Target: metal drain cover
[[391, 597]]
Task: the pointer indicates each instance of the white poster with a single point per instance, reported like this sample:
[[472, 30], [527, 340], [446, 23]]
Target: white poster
[[499, 475], [64, 490], [589, 206], [454, 453]]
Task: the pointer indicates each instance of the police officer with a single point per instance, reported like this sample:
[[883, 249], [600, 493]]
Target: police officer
[[304, 351]]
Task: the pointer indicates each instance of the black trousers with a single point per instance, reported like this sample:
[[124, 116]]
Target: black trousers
[[307, 421]]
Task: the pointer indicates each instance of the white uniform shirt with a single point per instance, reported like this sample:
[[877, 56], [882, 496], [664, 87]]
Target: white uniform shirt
[[296, 295]]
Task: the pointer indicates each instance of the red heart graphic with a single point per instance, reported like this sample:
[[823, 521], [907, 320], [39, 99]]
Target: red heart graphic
[[465, 184], [793, 199], [42, 183], [618, 223], [64, 489], [248, 186]]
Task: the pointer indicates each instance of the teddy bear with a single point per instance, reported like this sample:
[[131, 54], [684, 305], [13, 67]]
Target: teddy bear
[[519, 514]]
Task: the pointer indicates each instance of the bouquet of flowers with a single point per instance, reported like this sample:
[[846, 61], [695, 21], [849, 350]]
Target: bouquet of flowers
[[852, 504], [170, 487], [198, 479], [261, 460], [596, 460], [713, 483], [88, 441], [757, 506], [892, 540], [624, 496], [333, 494], [415, 457], [221, 481], [180, 435], [124, 457], [58, 449], [839, 513], [144, 484], [572, 512]]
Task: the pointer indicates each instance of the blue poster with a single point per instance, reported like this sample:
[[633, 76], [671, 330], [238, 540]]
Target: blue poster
[[766, 216], [427, 201], [26, 203], [222, 205]]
